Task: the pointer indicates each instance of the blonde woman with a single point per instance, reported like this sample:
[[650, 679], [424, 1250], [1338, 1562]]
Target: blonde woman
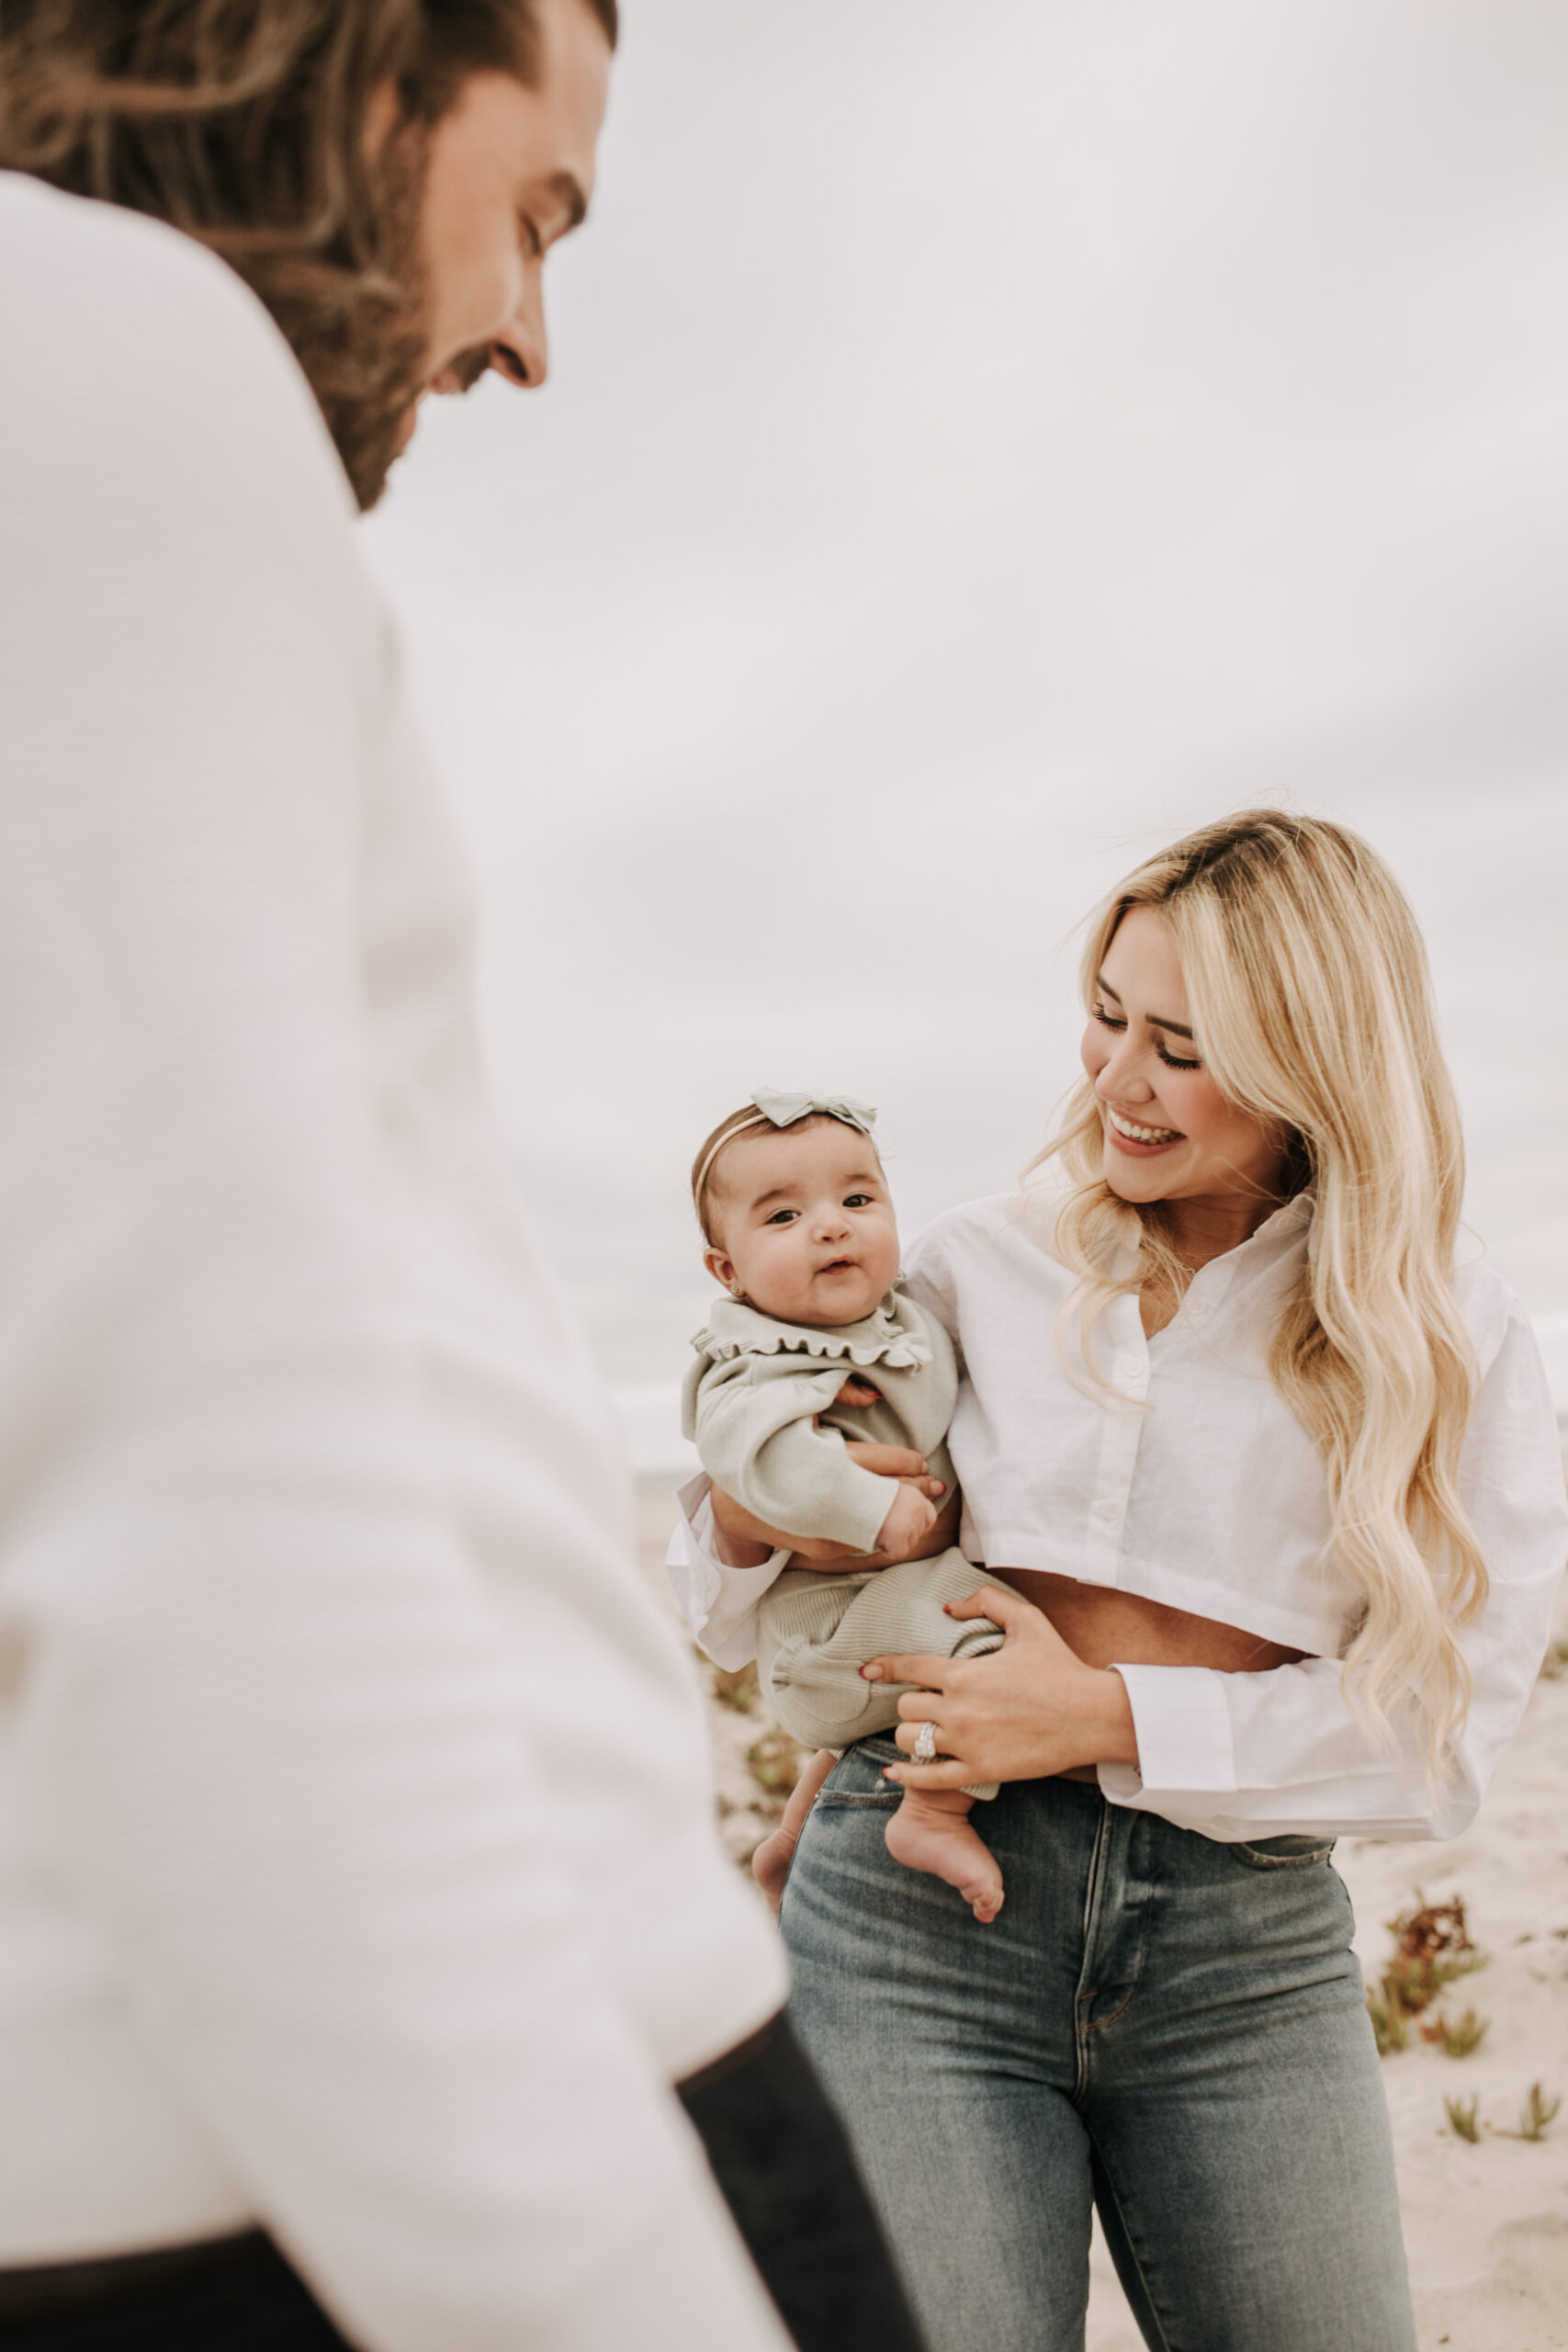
[[1268, 1489]]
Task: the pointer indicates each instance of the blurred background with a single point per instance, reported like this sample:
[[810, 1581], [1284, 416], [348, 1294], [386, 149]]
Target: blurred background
[[981, 445]]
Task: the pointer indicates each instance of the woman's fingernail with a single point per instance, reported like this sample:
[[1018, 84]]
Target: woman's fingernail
[[947, 1607], [939, 1486], [871, 1673]]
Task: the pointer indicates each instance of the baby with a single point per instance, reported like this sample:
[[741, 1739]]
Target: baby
[[795, 1213]]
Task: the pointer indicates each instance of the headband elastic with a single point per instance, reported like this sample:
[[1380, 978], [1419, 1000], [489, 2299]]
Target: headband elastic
[[777, 1109]]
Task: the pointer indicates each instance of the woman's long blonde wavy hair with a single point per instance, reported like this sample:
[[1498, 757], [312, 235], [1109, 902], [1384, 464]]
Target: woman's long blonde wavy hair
[[1311, 1001]]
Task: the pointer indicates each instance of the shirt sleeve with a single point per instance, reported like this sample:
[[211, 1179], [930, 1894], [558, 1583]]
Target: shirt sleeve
[[756, 1431], [928, 1280], [262, 1729], [719, 1603], [1242, 1756]]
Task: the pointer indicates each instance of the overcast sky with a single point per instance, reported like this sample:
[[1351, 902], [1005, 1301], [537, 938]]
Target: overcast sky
[[982, 444]]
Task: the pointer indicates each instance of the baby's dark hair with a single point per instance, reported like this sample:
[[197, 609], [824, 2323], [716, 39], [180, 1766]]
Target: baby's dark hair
[[747, 1120]]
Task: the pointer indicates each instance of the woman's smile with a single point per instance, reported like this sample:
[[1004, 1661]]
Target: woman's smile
[[1128, 1135]]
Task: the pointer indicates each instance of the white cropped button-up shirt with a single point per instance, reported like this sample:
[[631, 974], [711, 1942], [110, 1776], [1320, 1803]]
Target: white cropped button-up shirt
[[1206, 1494]]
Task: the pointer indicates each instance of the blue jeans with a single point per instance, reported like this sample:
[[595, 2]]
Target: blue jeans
[[1168, 2029]]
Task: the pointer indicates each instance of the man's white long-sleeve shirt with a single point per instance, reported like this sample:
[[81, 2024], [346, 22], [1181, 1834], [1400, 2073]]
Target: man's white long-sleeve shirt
[[356, 1867]]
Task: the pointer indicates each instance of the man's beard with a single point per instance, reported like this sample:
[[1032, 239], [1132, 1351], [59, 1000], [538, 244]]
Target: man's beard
[[369, 361]]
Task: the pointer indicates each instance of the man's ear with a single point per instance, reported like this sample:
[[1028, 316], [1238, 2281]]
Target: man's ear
[[721, 1268], [382, 111]]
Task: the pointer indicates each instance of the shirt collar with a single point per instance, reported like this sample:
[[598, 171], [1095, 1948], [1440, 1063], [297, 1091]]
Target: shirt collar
[[1282, 1232]]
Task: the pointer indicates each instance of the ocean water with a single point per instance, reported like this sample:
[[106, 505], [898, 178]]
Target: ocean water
[[970, 462]]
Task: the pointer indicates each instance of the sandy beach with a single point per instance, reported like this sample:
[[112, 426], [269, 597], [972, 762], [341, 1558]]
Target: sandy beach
[[1485, 2221]]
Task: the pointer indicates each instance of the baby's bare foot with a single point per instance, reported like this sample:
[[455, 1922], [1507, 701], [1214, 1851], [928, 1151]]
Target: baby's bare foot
[[770, 1862], [930, 1831]]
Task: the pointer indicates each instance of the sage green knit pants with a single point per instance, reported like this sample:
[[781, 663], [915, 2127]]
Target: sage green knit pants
[[815, 1632]]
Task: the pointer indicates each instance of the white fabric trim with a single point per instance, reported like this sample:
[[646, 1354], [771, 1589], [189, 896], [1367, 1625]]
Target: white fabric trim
[[1183, 1732], [719, 1603]]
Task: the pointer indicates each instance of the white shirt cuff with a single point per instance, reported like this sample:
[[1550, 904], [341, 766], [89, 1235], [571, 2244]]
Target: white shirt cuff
[[719, 1603], [1183, 1729], [680, 2277]]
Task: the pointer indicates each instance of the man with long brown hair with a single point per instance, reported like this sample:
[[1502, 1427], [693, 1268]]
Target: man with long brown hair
[[359, 1901]]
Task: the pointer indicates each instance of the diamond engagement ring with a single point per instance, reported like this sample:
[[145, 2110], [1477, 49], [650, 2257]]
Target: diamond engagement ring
[[925, 1744]]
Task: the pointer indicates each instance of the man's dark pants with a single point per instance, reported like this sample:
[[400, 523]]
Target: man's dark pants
[[778, 2153]]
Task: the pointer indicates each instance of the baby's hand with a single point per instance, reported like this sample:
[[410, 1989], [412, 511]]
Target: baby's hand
[[910, 1517]]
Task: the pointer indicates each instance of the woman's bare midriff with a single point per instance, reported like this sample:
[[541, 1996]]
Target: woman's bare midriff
[[1109, 1628]]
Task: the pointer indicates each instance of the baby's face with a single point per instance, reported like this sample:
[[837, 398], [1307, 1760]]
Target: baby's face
[[805, 1224]]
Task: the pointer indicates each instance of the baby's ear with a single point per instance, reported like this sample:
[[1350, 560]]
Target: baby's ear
[[721, 1268]]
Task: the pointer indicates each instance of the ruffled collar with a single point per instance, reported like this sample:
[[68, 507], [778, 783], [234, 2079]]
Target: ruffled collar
[[882, 1337]]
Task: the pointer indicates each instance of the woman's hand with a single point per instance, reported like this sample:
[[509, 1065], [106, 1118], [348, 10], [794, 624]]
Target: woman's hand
[[1019, 1713], [745, 1540]]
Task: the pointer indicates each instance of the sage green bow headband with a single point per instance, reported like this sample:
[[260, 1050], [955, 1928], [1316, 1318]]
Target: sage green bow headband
[[777, 1109], [784, 1110]]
